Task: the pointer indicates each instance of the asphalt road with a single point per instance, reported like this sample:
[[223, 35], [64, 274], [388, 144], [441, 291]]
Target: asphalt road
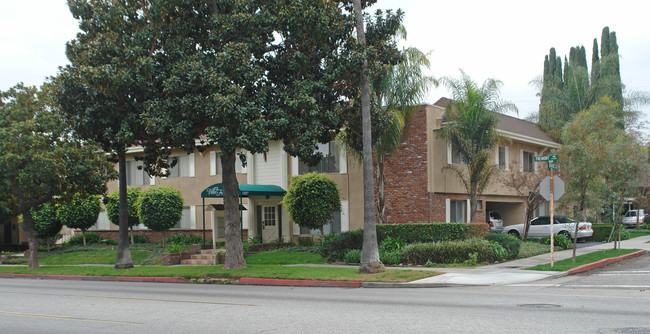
[[611, 300]]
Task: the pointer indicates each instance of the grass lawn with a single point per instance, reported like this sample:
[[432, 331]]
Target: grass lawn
[[567, 264], [104, 256], [260, 265]]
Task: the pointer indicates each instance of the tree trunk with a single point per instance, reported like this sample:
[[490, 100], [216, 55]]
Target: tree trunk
[[123, 260], [32, 236], [234, 245], [83, 237], [381, 195], [370, 262]]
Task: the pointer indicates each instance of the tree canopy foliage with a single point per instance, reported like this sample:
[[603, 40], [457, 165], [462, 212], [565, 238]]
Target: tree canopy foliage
[[41, 158], [566, 92], [160, 208], [46, 223]]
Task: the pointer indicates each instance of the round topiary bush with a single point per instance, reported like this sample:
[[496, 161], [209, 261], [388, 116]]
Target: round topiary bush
[[311, 200], [46, 224], [81, 213], [160, 208], [112, 203]]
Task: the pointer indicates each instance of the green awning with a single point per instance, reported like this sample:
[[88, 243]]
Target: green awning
[[245, 190]]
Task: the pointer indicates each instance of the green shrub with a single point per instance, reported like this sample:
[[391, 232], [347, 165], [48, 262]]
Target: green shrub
[[160, 208], [429, 232], [248, 243], [81, 213], [333, 247], [511, 244], [112, 203], [391, 244], [352, 256], [311, 200], [46, 224], [91, 238], [306, 242], [175, 248], [139, 239], [447, 252], [111, 242], [500, 252], [184, 239], [601, 232], [390, 257], [558, 241]]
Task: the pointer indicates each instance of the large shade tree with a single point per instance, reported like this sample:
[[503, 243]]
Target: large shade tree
[[104, 89], [471, 121], [41, 159]]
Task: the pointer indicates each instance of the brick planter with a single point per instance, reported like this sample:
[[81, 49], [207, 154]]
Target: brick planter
[[171, 259]]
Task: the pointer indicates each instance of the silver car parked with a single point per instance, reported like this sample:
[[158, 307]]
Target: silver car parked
[[541, 227]]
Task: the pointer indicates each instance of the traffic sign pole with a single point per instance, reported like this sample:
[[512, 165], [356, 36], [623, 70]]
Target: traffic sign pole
[[552, 221]]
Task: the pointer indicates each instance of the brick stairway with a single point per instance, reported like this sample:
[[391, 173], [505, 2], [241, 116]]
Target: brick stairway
[[207, 257]]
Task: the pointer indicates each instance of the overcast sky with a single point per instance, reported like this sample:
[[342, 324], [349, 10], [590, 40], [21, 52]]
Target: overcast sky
[[505, 40]]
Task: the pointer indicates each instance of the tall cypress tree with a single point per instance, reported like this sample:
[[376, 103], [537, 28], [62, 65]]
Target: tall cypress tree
[[565, 93]]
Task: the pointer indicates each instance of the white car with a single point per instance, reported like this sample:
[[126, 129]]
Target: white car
[[541, 227], [630, 217], [495, 221]]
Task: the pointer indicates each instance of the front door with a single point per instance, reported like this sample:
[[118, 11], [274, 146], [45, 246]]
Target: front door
[[269, 223]]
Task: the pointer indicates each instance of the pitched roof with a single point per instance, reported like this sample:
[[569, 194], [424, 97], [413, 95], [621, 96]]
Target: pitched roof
[[509, 124]]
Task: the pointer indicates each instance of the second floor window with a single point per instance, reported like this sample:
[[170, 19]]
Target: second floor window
[[503, 158], [218, 169], [182, 167], [456, 158], [528, 162], [135, 174], [330, 163]]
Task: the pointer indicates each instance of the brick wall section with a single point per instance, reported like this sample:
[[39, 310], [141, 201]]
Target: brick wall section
[[406, 176]]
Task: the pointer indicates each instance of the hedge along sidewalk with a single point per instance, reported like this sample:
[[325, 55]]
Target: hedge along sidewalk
[[590, 261]]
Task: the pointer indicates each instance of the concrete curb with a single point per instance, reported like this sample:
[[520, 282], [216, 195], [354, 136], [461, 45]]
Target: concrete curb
[[295, 282], [100, 278], [603, 262]]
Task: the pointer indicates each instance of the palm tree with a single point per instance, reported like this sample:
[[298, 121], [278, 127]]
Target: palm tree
[[394, 92], [471, 129]]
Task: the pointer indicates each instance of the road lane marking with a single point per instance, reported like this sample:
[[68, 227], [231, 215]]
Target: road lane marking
[[63, 317], [133, 298]]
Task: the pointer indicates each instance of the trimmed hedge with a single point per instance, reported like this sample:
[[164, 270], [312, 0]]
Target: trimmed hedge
[[602, 231], [333, 247], [182, 239], [511, 243], [430, 232], [447, 252]]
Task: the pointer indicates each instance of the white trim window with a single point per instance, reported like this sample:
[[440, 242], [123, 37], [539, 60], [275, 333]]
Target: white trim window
[[458, 210], [333, 227], [330, 163], [216, 168], [502, 157], [186, 219], [184, 166], [453, 157], [135, 174], [527, 161]]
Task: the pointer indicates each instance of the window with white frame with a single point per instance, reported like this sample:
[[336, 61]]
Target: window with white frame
[[502, 158], [330, 163], [135, 174], [333, 227], [457, 211], [102, 222], [182, 167], [456, 157], [185, 222], [218, 168], [528, 162]]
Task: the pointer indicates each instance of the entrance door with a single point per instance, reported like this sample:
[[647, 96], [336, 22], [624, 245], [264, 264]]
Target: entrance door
[[269, 223]]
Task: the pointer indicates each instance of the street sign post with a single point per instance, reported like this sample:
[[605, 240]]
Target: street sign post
[[551, 160]]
